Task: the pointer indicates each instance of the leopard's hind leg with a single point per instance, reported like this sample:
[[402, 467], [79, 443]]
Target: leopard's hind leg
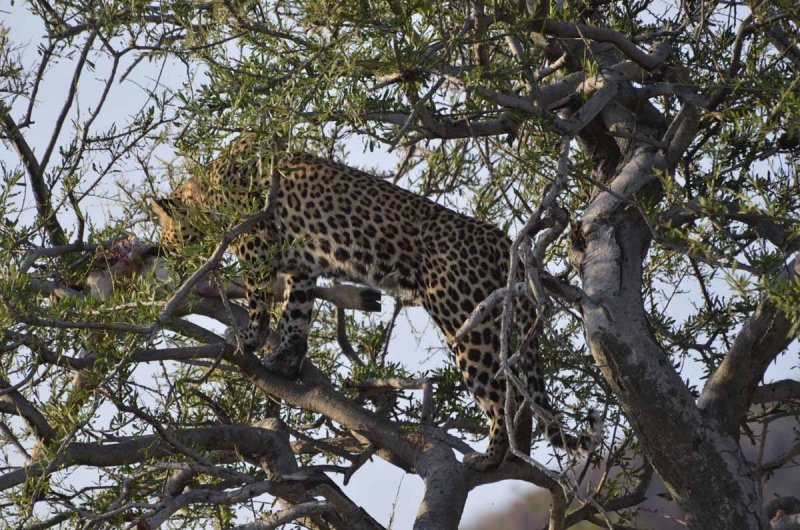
[[477, 359], [294, 327]]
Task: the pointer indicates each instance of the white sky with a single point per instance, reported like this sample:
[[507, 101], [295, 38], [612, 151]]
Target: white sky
[[382, 489]]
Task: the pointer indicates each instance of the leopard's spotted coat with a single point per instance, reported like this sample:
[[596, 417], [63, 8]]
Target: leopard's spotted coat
[[338, 222]]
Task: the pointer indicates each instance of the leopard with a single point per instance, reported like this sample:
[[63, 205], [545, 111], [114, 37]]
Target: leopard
[[334, 221]]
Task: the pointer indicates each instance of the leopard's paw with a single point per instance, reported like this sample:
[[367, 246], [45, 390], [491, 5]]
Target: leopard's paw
[[247, 341], [482, 461], [288, 359]]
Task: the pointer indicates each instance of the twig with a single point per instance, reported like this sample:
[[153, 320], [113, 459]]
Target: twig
[[395, 382], [398, 306], [415, 111], [298, 511], [483, 309], [34, 170]]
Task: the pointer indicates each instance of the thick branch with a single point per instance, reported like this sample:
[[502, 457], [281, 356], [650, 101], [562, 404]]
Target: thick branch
[[582, 31], [444, 128], [318, 395], [729, 391], [281, 459], [11, 401], [785, 390], [653, 396], [243, 439], [445, 490]]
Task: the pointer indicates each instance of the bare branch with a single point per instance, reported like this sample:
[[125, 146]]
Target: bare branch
[[39, 252], [41, 192], [785, 390], [582, 31], [485, 308], [288, 515], [243, 439], [729, 391]]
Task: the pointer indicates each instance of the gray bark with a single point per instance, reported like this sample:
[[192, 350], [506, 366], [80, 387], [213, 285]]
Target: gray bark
[[702, 464]]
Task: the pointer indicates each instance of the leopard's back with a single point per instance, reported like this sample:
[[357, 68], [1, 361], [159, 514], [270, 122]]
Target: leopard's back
[[348, 223]]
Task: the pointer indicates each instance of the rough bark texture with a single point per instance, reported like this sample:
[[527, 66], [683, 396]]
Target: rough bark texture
[[702, 465]]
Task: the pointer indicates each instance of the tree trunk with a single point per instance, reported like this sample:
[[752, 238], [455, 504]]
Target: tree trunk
[[703, 468]]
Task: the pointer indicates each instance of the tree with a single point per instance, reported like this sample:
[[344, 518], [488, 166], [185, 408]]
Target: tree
[[643, 156]]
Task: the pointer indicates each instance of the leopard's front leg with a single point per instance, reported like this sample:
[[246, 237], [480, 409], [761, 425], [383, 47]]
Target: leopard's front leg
[[257, 332], [259, 277], [295, 325]]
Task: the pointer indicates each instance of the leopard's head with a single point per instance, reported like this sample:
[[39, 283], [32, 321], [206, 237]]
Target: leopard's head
[[176, 230], [175, 215]]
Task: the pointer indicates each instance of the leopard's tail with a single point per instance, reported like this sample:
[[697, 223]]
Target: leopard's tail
[[585, 442]]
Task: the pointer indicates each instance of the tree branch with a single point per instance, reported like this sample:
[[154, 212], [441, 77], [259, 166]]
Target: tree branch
[[279, 487], [766, 226], [565, 30], [13, 402], [41, 193], [729, 391], [243, 439], [317, 394], [785, 390], [652, 394], [784, 44], [288, 515], [445, 489]]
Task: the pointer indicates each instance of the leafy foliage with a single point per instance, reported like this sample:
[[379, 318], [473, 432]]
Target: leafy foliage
[[462, 102]]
